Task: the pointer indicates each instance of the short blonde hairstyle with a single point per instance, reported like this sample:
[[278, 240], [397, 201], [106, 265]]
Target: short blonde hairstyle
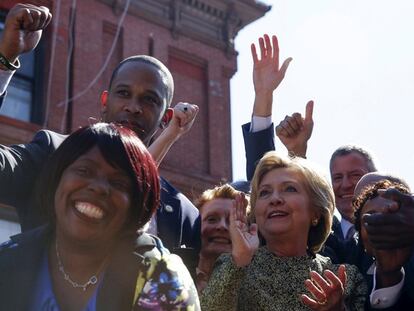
[[320, 193], [220, 192]]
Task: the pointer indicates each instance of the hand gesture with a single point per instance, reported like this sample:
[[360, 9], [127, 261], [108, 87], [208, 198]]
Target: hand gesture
[[266, 74], [182, 120], [23, 29], [395, 228], [328, 292], [244, 238], [295, 131]]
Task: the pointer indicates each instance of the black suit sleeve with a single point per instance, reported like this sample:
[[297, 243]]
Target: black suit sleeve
[[20, 166], [2, 97], [256, 145]]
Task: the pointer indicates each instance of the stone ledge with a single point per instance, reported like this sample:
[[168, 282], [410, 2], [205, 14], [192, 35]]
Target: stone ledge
[[214, 22]]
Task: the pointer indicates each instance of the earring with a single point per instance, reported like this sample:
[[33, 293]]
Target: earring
[[315, 222]]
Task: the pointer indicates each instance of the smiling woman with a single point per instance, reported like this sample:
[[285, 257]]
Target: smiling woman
[[292, 205], [215, 206], [100, 187]]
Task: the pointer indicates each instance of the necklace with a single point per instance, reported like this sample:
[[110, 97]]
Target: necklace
[[92, 280]]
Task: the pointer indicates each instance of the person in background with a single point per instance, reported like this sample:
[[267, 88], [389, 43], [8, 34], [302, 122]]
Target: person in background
[[214, 206], [292, 207], [99, 188], [347, 165], [139, 96], [385, 270]]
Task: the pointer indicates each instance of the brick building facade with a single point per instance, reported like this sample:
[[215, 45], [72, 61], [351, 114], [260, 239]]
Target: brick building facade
[[194, 38]]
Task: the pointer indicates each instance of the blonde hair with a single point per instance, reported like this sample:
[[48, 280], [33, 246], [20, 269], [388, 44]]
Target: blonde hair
[[219, 192], [320, 193]]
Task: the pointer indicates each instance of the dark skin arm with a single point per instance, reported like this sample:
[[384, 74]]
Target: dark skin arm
[[23, 29], [394, 229]]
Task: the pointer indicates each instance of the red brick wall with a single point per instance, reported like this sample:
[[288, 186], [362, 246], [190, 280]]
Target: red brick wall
[[201, 72]]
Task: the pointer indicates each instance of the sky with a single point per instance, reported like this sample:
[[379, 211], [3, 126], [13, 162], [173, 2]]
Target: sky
[[355, 59]]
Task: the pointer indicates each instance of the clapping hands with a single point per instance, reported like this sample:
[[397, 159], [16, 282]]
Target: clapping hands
[[327, 291]]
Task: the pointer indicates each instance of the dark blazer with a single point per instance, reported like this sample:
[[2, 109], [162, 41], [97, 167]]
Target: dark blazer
[[20, 166], [21, 258], [256, 145], [337, 229]]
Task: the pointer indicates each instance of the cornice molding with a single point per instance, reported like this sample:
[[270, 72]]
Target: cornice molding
[[214, 22]]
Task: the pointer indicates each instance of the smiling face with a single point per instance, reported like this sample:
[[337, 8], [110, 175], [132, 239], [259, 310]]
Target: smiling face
[[282, 208], [215, 238], [137, 98], [346, 171], [92, 200]]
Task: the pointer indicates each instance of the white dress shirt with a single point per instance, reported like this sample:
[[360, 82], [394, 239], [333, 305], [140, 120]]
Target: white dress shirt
[[260, 123], [384, 297], [345, 226]]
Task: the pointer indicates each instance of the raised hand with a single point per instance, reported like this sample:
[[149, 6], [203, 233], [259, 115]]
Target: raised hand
[[244, 238], [23, 29], [328, 292], [183, 116], [266, 74], [183, 119], [394, 229], [295, 131]]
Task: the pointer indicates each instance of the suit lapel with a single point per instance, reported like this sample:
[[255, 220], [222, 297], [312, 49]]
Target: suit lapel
[[169, 217]]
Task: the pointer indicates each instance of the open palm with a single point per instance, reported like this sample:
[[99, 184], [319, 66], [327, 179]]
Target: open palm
[[266, 72], [244, 238]]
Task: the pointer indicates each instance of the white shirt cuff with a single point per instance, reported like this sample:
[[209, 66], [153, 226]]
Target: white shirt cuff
[[260, 123], [385, 297], [5, 77]]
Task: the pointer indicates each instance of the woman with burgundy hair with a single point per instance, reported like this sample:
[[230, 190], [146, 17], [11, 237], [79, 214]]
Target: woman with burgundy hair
[[98, 190]]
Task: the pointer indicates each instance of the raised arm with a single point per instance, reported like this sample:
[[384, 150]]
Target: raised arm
[[181, 122], [22, 30], [267, 76], [392, 234], [295, 131]]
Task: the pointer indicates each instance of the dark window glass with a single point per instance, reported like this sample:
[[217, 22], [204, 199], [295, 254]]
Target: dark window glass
[[19, 103]]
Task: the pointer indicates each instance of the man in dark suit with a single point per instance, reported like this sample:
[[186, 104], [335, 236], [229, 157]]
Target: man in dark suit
[[139, 96]]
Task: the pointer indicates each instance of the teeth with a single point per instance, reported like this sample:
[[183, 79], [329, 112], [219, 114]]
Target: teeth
[[89, 210], [277, 214]]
